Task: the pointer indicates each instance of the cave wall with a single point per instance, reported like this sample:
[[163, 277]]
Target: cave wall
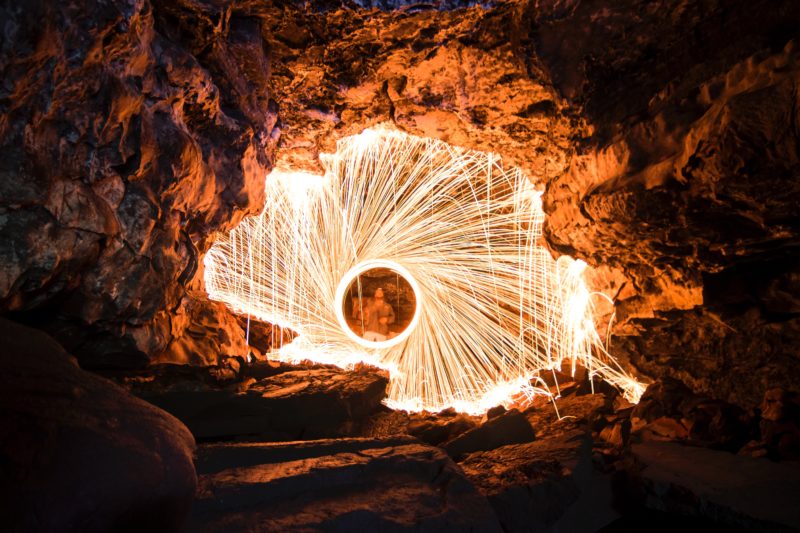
[[664, 135], [686, 195], [130, 133]]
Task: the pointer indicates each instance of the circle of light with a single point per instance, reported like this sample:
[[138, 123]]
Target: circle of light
[[348, 278], [499, 309]]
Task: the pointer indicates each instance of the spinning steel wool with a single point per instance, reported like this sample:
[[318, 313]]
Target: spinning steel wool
[[493, 308]]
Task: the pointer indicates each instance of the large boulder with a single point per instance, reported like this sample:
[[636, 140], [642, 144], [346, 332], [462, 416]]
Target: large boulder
[[81, 454]]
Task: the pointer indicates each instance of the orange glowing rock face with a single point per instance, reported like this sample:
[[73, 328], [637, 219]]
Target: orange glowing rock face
[[493, 308]]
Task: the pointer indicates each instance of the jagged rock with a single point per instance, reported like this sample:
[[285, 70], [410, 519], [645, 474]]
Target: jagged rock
[[125, 149], [688, 179], [297, 403], [81, 454], [509, 428], [752, 494], [617, 433], [670, 411], [395, 484], [436, 429], [495, 411], [462, 76], [780, 424], [588, 412], [546, 485]]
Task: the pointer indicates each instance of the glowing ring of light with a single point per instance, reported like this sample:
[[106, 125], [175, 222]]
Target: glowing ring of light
[[351, 275]]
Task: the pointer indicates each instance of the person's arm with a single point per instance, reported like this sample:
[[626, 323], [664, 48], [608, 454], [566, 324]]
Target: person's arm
[[391, 314]]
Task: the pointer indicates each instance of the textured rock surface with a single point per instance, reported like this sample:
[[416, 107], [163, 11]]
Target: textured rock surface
[[468, 77], [509, 428], [81, 454], [685, 193], [289, 404], [669, 411], [667, 152], [131, 131], [752, 494], [344, 485]]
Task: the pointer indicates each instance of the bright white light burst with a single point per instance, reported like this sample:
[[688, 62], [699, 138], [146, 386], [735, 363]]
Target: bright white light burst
[[496, 309]]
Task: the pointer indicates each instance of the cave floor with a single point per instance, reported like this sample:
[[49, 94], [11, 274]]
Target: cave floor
[[311, 447]]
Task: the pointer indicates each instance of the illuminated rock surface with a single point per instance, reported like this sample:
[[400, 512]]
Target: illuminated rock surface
[[341, 485], [124, 148], [294, 403], [667, 151]]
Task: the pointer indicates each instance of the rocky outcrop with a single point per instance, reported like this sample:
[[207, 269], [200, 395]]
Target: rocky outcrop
[[509, 428], [547, 485], [396, 484], [131, 132], [684, 194], [261, 401], [666, 149], [466, 76], [670, 412], [81, 454]]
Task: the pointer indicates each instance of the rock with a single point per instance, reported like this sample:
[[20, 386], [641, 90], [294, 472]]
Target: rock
[[494, 412], [735, 491], [125, 148], [587, 412], [439, 428], [546, 485], [617, 434], [663, 428], [262, 336], [780, 424], [296, 403], [394, 484], [670, 411], [672, 194], [205, 333], [509, 428], [81, 454]]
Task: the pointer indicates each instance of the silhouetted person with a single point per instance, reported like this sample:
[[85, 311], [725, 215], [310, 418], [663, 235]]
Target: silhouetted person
[[377, 316]]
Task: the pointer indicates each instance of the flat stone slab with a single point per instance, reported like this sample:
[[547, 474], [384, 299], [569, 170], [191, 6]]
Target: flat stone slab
[[393, 484], [755, 494], [298, 404]]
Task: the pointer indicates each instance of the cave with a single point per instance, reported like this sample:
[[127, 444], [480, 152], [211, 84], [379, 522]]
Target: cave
[[513, 265]]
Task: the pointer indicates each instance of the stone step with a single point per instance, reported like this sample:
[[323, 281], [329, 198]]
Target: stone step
[[299, 404], [392, 484]]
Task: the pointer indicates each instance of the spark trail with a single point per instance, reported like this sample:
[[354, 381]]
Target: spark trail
[[495, 309]]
